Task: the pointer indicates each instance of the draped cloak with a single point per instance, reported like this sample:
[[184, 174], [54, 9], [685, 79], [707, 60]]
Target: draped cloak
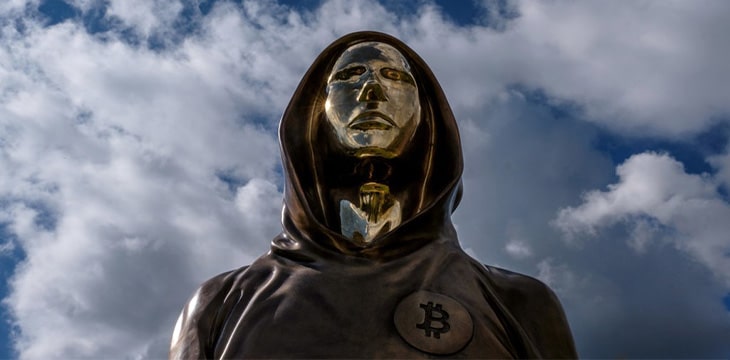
[[316, 294]]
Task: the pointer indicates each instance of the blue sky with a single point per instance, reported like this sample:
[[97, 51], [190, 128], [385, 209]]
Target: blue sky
[[139, 157]]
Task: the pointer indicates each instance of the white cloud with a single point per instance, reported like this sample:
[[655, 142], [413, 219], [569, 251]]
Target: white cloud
[[518, 249], [653, 67], [644, 232], [10, 6], [118, 147], [260, 203], [145, 15], [656, 186], [721, 163], [517, 244]]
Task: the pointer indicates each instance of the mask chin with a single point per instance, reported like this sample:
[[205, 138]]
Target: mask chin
[[373, 152]]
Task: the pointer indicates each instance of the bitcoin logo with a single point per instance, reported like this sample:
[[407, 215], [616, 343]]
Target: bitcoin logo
[[429, 318], [433, 323]]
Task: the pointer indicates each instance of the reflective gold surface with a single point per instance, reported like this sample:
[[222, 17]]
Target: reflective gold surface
[[377, 213], [372, 100]]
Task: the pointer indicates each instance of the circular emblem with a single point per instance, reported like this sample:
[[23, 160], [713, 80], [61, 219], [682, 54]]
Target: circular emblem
[[433, 323]]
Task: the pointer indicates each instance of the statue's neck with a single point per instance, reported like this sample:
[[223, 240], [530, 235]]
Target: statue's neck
[[365, 198], [376, 213], [365, 201]]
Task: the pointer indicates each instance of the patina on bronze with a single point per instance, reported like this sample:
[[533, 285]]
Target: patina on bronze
[[368, 264]]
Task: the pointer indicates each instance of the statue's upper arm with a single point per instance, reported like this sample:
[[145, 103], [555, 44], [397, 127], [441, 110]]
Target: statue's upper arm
[[186, 338], [551, 330], [193, 334], [537, 310]]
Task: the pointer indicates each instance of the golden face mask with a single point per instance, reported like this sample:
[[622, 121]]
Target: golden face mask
[[372, 100]]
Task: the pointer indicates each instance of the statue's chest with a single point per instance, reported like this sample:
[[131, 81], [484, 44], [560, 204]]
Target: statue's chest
[[314, 315]]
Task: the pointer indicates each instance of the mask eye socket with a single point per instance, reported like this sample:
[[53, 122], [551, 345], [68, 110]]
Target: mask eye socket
[[349, 73], [397, 75]]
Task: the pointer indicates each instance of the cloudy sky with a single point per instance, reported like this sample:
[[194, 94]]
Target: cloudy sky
[[139, 157]]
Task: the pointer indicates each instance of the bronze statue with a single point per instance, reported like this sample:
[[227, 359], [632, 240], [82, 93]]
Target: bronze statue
[[368, 264]]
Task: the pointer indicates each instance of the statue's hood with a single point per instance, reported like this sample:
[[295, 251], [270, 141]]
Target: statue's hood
[[319, 295], [308, 234]]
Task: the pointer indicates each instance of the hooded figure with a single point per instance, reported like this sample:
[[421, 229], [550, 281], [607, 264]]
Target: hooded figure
[[368, 264]]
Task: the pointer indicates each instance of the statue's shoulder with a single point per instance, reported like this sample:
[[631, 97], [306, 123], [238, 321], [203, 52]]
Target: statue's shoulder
[[518, 287], [197, 321], [219, 283], [537, 309]]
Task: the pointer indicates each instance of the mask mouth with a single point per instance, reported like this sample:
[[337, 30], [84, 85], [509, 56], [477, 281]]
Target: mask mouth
[[372, 120]]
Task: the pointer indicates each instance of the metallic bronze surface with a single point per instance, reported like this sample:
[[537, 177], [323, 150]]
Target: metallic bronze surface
[[368, 263], [433, 323]]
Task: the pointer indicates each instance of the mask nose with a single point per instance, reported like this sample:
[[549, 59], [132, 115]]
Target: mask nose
[[372, 91]]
